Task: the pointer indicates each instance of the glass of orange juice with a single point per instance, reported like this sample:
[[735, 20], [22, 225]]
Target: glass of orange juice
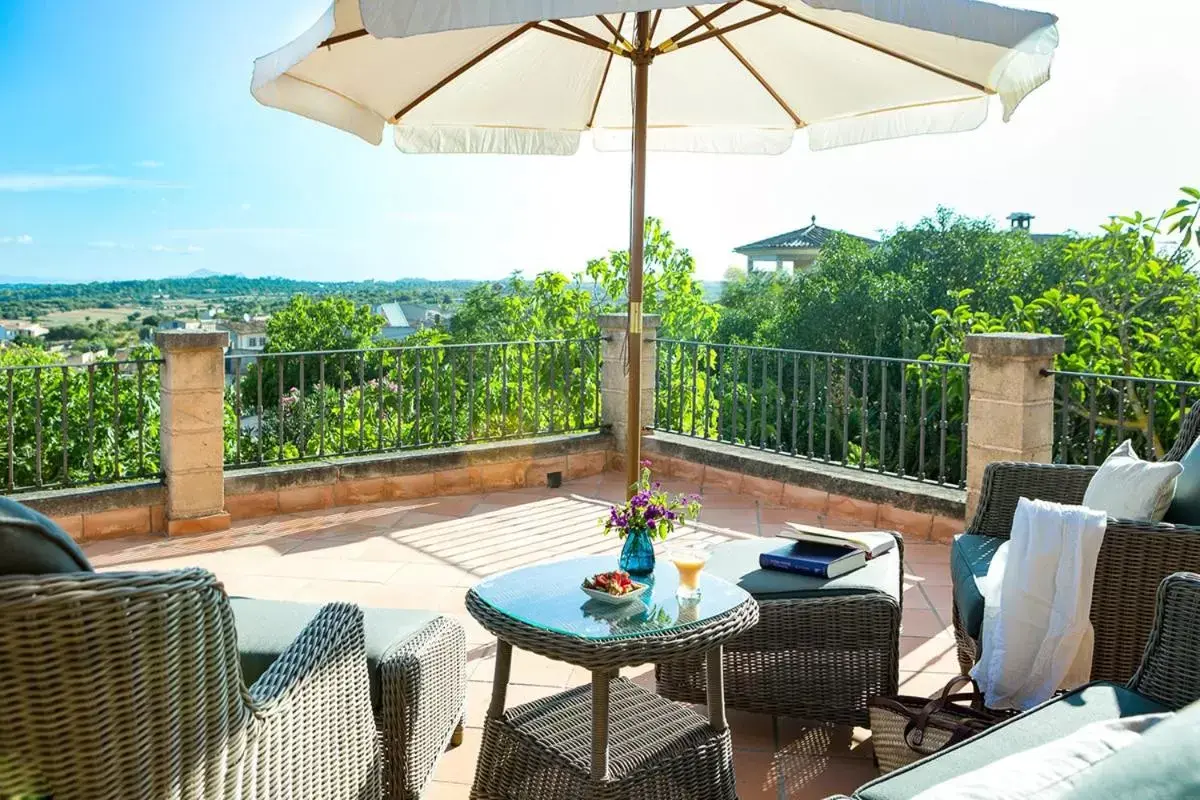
[[690, 562]]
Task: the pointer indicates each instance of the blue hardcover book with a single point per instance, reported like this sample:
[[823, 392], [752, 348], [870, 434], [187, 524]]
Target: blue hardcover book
[[812, 558]]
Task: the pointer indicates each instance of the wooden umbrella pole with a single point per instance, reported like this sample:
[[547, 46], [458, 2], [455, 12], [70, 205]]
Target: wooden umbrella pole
[[641, 58]]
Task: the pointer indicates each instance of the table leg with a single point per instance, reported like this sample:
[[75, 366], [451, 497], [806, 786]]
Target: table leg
[[500, 678], [600, 687], [716, 690]]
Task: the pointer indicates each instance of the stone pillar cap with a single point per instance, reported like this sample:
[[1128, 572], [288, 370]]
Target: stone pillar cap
[[1015, 345], [619, 322], [174, 341]]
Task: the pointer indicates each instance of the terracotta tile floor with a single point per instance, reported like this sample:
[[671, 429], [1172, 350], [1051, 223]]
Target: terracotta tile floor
[[423, 553]]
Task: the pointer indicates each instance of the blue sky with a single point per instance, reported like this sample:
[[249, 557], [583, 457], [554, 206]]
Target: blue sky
[[130, 147]]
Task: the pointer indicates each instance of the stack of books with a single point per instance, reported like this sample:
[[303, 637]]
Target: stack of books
[[825, 553]]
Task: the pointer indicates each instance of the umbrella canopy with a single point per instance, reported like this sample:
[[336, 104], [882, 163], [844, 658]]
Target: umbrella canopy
[[531, 76]]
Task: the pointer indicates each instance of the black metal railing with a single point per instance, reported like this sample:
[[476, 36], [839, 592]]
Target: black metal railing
[[890, 415], [75, 425], [1093, 413], [283, 407]]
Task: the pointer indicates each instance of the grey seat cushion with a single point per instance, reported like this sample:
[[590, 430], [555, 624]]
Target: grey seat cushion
[[970, 557], [1092, 703], [737, 562], [265, 628], [1162, 766], [31, 544]]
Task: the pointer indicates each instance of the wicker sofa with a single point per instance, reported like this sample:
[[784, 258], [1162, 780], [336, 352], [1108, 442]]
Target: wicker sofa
[[1168, 678], [1135, 557], [127, 685], [176, 638]]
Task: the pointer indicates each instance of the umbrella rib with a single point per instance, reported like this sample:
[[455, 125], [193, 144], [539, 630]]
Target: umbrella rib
[[654, 26], [669, 43], [342, 37], [588, 38], [713, 31], [441, 84], [750, 68], [616, 32], [607, 66], [876, 47]]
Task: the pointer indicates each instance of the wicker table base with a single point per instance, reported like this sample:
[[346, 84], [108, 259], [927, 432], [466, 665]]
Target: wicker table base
[[657, 750]]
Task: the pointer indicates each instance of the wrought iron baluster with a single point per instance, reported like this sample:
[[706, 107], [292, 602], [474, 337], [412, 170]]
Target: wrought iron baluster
[[596, 384], [400, 399], [923, 376], [708, 389], [362, 400], [37, 425], [91, 391], [749, 439], [380, 399], [321, 421], [504, 389], [883, 412], [718, 387], [237, 411], [451, 367], [11, 412], [864, 414], [64, 433], [1091, 447], [537, 391], [795, 397], [695, 381], [116, 422], [847, 398], [778, 401], [669, 381], [341, 403], [762, 411], [828, 410], [417, 399], [812, 405], [1151, 402], [901, 463], [471, 392], [280, 365], [487, 392], [301, 449], [942, 425], [582, 422], [1121, 411], [259, 428]]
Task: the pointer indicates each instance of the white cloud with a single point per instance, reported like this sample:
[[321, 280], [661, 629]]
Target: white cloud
[[148, 164], [23, 238], [188, 250], [43, 182]]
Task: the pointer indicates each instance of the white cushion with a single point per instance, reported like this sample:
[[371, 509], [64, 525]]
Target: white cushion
[[1126, 487], [1049, 771]]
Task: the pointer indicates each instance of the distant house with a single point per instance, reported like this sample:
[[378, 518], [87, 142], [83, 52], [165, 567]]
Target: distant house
[[395, 322], [15, 328], [1023, 221], [188, 325], [799, 248], [6, 336], [420, 316], [245, 336]]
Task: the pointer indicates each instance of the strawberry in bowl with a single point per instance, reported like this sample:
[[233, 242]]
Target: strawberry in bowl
[[612, 587]]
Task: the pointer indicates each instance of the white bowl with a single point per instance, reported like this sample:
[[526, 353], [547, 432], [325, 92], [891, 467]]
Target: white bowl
[[616, 599]]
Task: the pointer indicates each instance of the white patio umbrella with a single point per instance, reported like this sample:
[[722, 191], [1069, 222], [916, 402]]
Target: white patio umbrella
[[531, 76]]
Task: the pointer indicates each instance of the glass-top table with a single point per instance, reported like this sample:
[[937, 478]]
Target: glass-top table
[[544, 610], [548, 597]]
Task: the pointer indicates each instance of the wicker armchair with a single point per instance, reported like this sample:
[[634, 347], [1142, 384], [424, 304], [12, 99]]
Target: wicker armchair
[[125, 685], [1135, 558]]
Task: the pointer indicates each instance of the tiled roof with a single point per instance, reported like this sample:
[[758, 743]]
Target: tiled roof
[[813, 236]]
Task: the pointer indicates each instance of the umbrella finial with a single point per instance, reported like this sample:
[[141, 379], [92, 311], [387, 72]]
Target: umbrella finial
[[814, 219]]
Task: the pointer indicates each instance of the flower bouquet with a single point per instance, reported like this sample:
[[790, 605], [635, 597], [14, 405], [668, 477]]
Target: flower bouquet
[[652, 513]]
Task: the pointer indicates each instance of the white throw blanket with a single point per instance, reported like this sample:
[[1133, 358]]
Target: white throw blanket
[[1037, 595]]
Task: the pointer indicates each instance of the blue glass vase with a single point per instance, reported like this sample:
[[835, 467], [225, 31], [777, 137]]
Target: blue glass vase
[[637, 556]]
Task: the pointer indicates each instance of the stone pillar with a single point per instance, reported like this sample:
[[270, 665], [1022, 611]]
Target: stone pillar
[[614, 385], [192, 436], [1011, 417]]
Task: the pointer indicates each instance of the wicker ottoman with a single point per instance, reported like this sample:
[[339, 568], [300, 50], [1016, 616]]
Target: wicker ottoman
[[821, 648]]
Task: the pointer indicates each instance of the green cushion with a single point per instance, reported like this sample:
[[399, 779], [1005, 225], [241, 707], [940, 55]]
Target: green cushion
[[737, 562], [1185, 508], [31, 544], [1162, 766], [1092, 703], [265, 628], [970, 557]]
